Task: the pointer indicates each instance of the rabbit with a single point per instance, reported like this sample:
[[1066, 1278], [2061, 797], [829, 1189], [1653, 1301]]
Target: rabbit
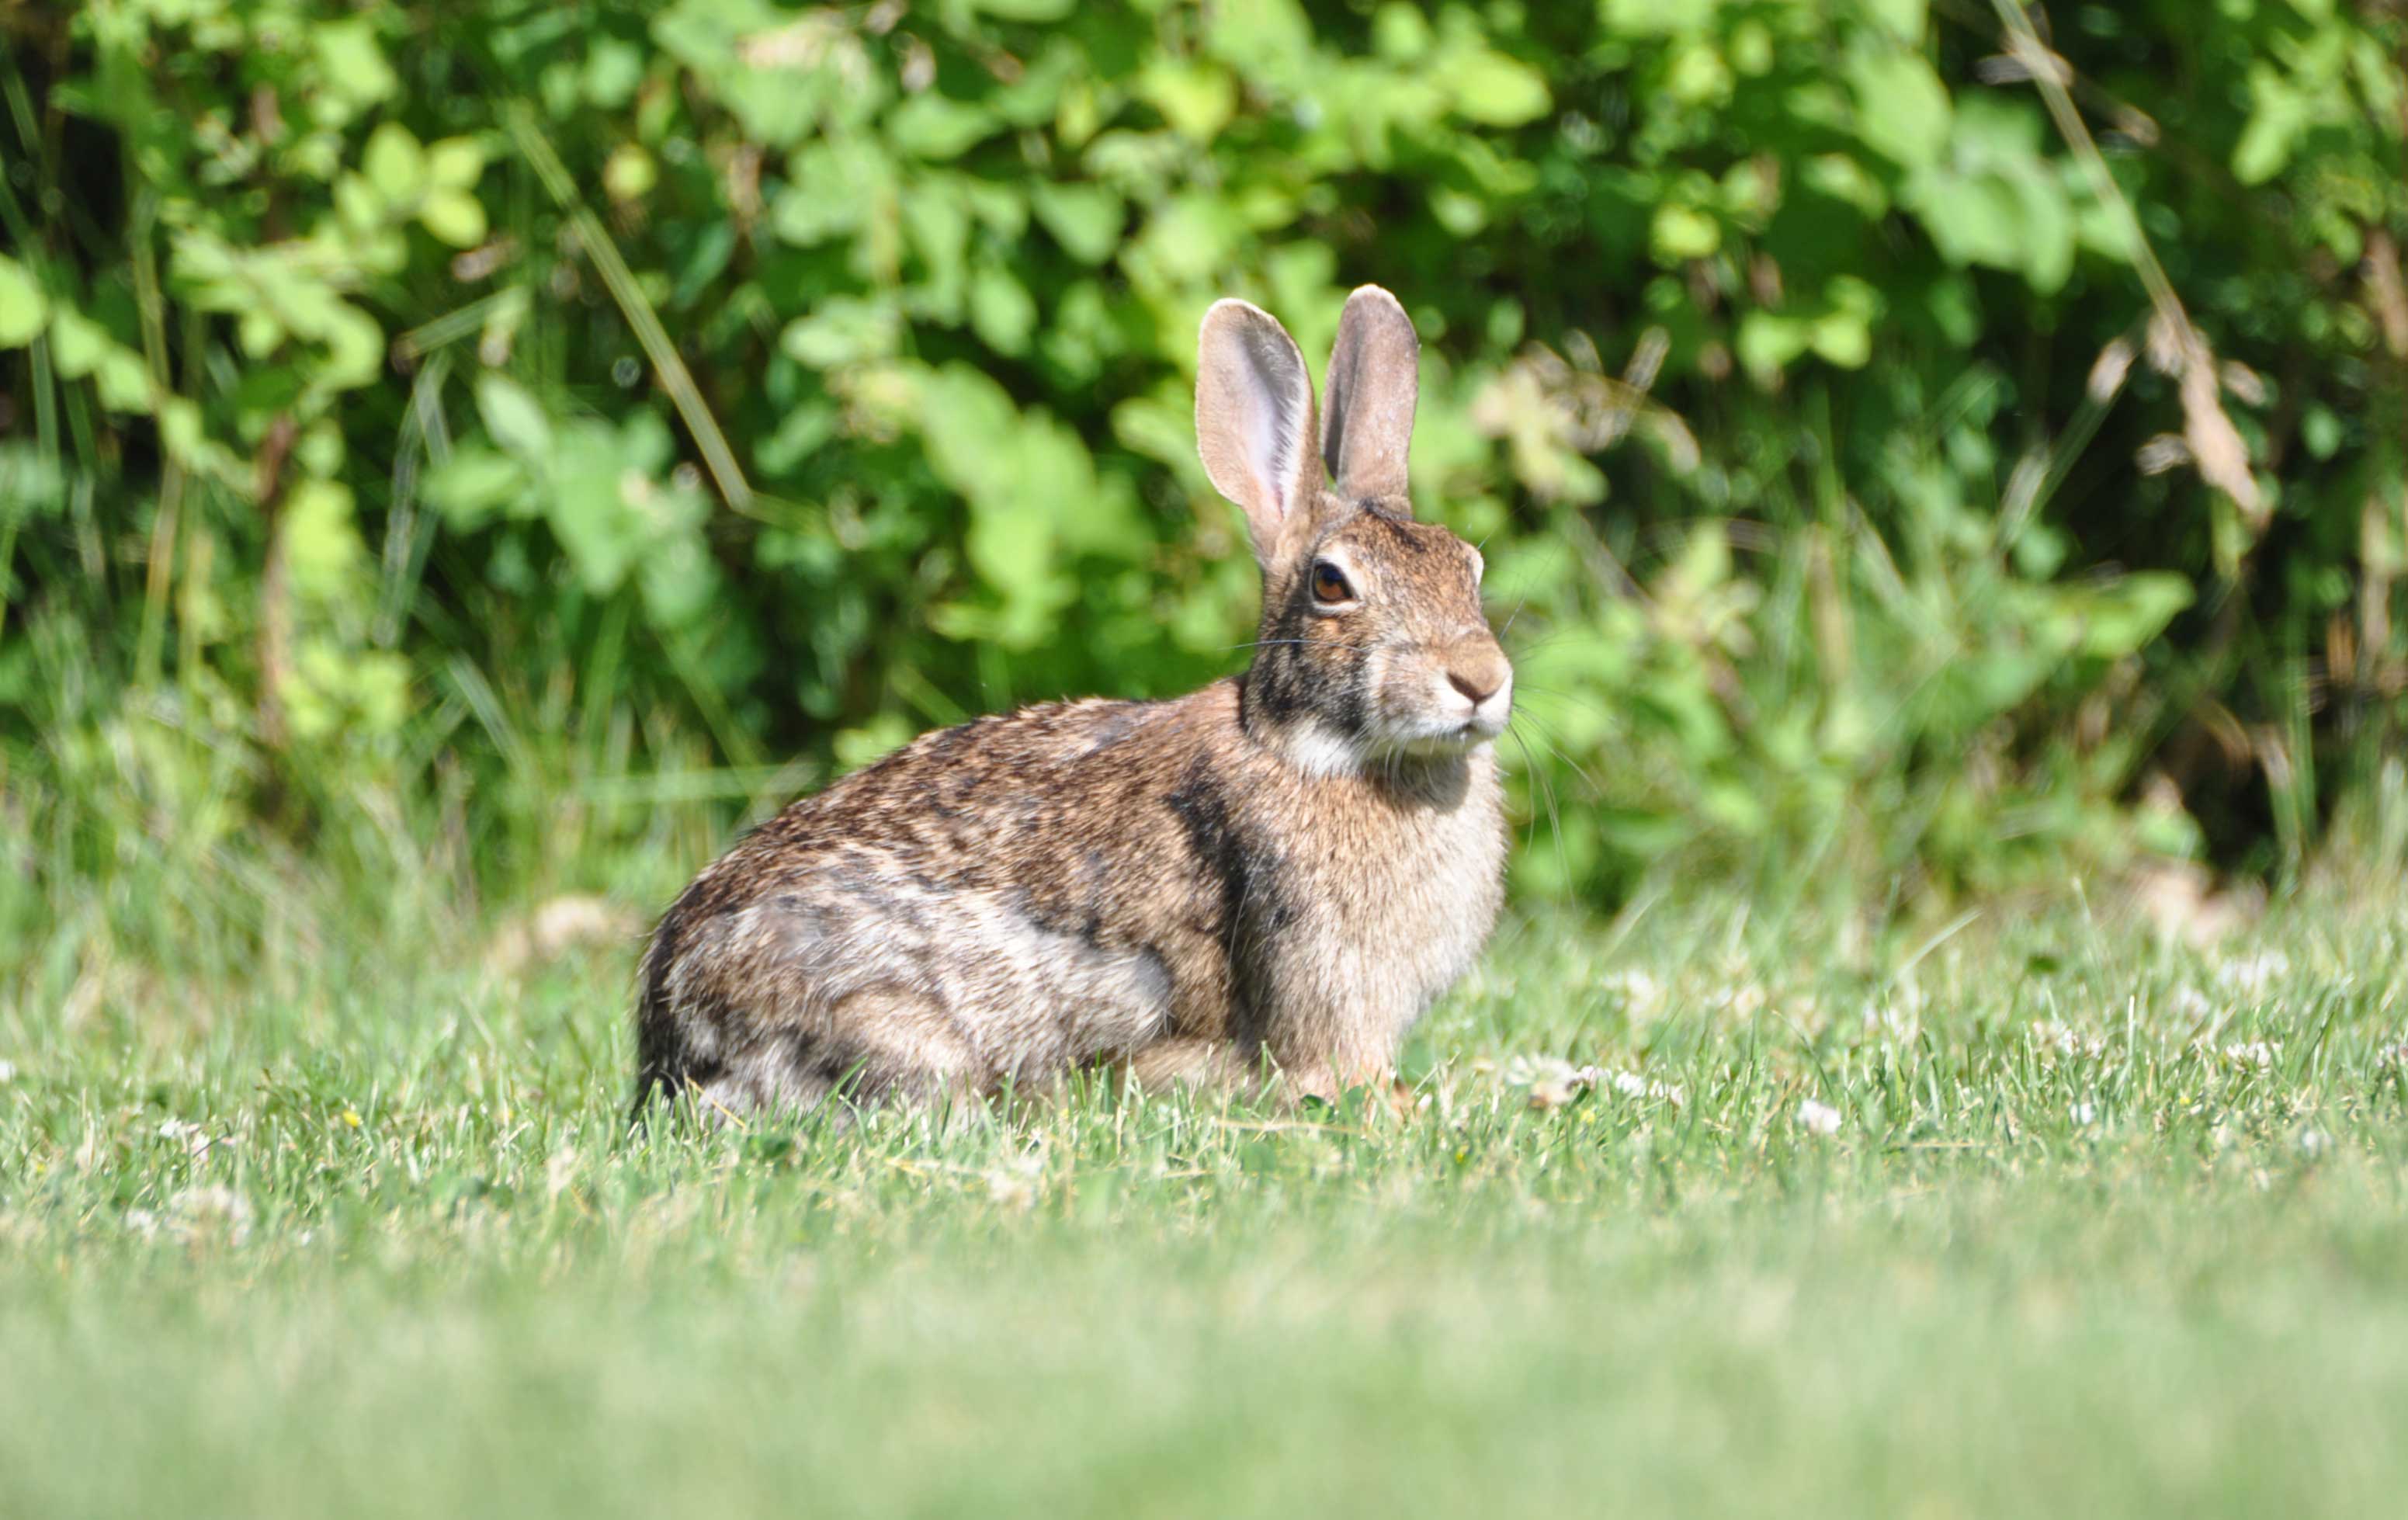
[[1267, 880]]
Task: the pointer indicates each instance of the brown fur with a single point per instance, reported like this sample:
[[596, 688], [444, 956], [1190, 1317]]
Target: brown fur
[[1289, 865]]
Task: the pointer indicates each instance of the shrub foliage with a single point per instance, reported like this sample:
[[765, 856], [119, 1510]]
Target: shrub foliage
[[1911, 441]]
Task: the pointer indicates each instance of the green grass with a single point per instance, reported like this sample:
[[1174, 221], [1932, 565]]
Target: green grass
[[2105, 1226]]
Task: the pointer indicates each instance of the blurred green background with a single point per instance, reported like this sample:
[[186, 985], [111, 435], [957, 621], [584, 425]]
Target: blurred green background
[[451, 453]]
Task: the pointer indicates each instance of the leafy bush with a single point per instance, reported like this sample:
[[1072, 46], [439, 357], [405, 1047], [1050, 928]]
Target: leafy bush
[[1910, 444]]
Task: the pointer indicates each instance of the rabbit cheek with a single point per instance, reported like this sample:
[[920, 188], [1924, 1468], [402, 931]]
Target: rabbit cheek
[[1409, 688]]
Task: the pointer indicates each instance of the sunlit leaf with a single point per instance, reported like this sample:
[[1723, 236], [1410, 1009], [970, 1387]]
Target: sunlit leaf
[[931, 126], [513, 417], [1086, 220], [1002, 309], [454, 216], [1901, 108], [394, 164], [351, 63], [24, 308]]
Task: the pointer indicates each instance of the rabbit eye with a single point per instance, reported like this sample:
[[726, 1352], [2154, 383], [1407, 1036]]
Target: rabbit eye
[[1330, 583]]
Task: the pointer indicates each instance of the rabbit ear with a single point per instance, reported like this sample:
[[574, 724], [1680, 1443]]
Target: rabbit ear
[[1374, 377], [1254, 420]]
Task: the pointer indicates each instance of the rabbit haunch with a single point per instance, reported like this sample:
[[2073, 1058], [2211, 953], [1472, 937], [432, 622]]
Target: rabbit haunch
[[1287, 867]]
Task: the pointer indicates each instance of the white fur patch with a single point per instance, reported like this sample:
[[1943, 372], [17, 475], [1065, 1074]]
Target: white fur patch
[[1318, 750]]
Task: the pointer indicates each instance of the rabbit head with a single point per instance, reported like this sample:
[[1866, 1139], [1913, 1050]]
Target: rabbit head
[[1374, 646]]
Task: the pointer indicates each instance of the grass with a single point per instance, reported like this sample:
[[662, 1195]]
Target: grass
[[2100, 1224]]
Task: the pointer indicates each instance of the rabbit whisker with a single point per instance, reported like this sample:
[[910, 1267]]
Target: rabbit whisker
[[1554, 820], [1546, 742]]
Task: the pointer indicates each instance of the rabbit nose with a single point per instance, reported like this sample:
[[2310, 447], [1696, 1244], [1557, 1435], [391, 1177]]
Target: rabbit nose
[[1476, 676]]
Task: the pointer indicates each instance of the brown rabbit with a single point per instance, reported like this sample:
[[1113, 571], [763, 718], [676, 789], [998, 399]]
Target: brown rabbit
[[1291, 864]]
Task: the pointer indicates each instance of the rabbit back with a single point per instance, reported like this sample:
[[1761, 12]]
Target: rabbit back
[[1002, 900]]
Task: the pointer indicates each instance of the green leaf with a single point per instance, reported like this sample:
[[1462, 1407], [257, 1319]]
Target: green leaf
[[354, 349], [357, 205], [1903, 110], [1655, 17], [678, 579], [258, 332], [594, 513], [455, 163], [1844, 339], [1027, 10], [1195, 97], [1494, 90], [836, 186], [2279, 115], [454, 216], [1086, 220], [351, 62], [936, 219], [23, 308], [1902, 18], [1841, 178], [321, 543], [2123, 616], [931, 126], [474, 484], [1680, 233], [800, 432], [843, 330], [629, 173], [513, 417], [78, 343], [1973, 218], [1767, 344], [123, 379], [394, 164], [1002, 312], [613, 71]]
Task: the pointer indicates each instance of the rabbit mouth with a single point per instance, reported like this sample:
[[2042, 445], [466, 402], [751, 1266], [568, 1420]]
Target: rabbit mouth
[[1439, 737]]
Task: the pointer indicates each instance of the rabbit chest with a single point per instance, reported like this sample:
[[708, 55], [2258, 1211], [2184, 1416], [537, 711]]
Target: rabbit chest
[[1394, 892]]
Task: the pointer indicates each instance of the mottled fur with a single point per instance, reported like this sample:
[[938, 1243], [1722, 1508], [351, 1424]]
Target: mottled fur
[[1291, 864]]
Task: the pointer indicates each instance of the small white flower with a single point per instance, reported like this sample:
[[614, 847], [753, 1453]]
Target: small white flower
[[215, 1210], [2061, 1039], [1817, 1118], [2251, 975], [142, 1221], [1013, 1184], [1894, 1017], [1631, 1084], [1551, 1081], [2086, 1113], [1643, 992], [2314, 1143], [7, 1073], [192, 1136], [2190, 1003], [2253, 1054], [1743, 999]]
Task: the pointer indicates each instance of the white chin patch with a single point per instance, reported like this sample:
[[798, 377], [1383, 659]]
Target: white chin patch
[[1437, 740], [1453, 741], [1320, 751]]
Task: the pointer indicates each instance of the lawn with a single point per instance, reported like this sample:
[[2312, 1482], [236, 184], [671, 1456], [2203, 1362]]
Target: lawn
[[2030, 1212]]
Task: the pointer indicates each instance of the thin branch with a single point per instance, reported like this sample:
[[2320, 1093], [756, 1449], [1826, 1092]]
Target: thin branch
[[636, 308]]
